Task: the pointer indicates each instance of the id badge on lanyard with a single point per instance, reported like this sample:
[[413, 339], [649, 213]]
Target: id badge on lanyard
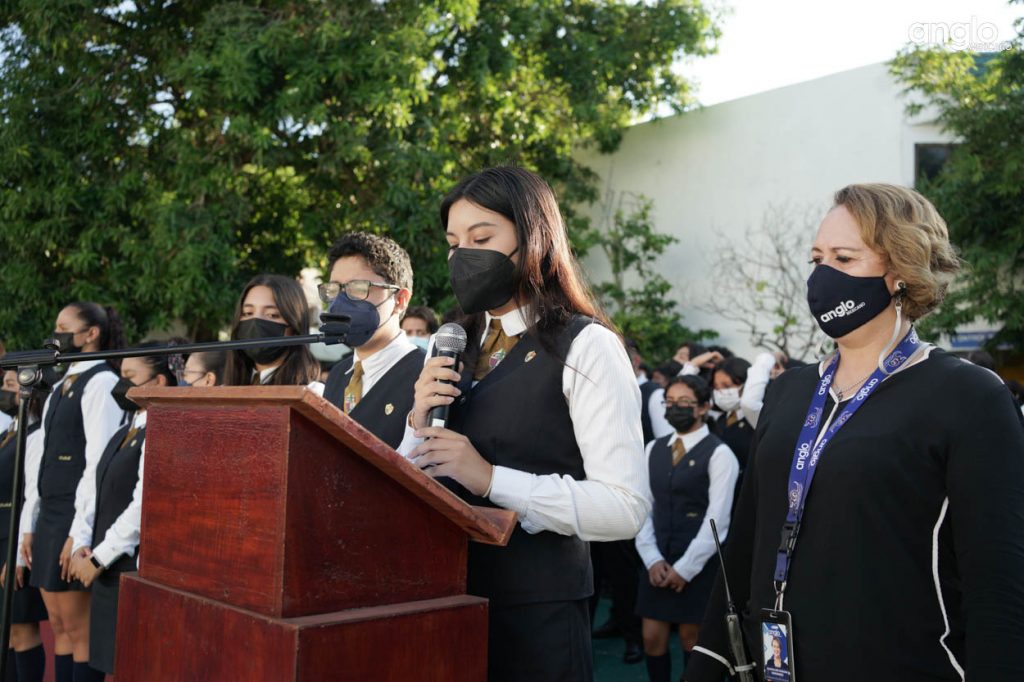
[[777, 624]]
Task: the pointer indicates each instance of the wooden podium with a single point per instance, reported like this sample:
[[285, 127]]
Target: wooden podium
[[282, 541]]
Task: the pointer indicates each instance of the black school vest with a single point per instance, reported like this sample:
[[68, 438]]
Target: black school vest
[[680, 493], [384, 408], [116, 476], [647, 389], [7, 452], [739, 437], [64, 450], [517, 417]]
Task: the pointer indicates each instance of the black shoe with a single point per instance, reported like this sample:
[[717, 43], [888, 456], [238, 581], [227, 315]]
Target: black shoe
[[606, 631], [633, 654]]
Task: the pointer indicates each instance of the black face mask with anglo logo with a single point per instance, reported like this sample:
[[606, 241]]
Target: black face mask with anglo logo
[[841, 303]]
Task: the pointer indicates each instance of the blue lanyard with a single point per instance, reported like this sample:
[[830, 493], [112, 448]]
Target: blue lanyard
[[807, 454]]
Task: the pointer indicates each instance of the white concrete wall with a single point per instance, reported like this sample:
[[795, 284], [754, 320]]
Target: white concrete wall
[[713, 171]]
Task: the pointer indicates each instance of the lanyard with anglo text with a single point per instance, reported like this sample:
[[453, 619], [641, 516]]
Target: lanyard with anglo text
[[807, 453]]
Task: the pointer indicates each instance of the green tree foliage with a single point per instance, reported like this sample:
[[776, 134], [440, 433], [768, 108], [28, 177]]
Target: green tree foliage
[[980, 190], [637, 297], [155, 155]]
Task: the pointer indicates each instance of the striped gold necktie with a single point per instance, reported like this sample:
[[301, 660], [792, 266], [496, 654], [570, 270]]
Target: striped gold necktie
[[354, 390], [678, 451], [496, 346]]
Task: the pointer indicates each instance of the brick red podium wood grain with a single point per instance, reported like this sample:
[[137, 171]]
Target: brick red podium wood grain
[[443, 640]]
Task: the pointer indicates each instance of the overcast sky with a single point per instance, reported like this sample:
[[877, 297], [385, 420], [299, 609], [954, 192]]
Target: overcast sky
[[767, 44]]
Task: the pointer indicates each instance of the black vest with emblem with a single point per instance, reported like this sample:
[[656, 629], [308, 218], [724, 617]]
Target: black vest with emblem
[[7, 451], [517, 417], [647, 389], [116, 476], [739, 437], [680, 493], [385, 407], [64, 449]]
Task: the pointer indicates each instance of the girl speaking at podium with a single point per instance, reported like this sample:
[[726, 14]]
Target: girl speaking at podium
[[544, 420]]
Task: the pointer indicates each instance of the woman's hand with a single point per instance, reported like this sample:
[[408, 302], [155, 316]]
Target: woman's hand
[[707, 360], [26, 549], [656, 573], [673, 580], [446, 453], [430, 389], [82, 568], [65, 561]]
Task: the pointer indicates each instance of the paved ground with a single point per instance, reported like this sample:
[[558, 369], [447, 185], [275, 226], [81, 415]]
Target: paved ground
[[608, 665]]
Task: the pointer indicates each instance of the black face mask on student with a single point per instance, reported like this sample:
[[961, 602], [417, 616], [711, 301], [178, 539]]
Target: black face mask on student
[[8, 402], [482, 279], [67, 342], [681, 419], [120, 393], [258, 328]]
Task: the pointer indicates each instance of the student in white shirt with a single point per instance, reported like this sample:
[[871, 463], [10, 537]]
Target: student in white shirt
[[79, 418], [692, 476], [545, 421], [106, 536]]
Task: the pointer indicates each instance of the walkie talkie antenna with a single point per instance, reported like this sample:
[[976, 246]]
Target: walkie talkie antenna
[[721, 561], [743, 667]]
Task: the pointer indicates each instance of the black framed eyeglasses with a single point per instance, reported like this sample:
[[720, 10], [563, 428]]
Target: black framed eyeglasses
[[356, 290], [679, 403]]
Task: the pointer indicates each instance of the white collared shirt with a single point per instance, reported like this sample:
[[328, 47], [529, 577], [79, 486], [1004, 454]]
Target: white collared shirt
[[5, 422], [123, 535], [101, 418], [723, 471], [604, 404], [380, 363]]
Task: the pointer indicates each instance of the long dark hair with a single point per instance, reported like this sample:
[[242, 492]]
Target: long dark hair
[[299, 367], [109, 323], [548, 280]]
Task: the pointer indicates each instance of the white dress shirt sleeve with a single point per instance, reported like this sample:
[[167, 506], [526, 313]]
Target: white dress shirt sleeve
[[723, 470], [646, 542], [656, 409], [123, 536], [604, 405], [689, 369], [409, 439], [5, 421], [30, 508], [758, 376], [101, 417]]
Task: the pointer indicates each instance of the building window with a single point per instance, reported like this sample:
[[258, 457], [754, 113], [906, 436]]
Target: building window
[[929, 160]]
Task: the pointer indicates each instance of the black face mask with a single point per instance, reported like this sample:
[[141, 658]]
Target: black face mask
[[842, 303], [67, 342], [8, 403], [120, 393], [681, 419], [482, 279], [258, 328]]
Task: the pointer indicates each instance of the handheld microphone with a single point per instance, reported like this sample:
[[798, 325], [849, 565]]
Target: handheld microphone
[[449, 342]]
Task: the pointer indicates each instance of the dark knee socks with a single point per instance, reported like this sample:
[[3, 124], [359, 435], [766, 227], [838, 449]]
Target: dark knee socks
[[85, 673], [63, 670], [659, 668], [31, 664]]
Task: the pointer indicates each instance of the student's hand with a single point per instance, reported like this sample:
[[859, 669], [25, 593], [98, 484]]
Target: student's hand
[[82, 568], [65, 561], [430, 392], [656, 573], [19, 576], [446, 453], [706, 360], [3, 575], [26, 549], [673, 580]]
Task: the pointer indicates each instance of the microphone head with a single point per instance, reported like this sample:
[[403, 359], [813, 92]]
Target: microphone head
[[451, 338]]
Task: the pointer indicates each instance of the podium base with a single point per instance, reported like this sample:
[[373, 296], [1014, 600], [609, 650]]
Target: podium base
[[202, 639]]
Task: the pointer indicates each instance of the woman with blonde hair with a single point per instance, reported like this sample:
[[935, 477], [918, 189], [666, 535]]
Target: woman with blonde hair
[[909, 545]]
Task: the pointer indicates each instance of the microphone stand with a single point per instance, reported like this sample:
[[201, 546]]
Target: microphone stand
[[30, 364]]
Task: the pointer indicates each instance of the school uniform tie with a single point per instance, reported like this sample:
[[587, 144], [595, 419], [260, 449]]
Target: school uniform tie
[[496, 346], [65, 388], [678, 451], [354, 390], [8, 436], [731, 419], [132, 432]]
